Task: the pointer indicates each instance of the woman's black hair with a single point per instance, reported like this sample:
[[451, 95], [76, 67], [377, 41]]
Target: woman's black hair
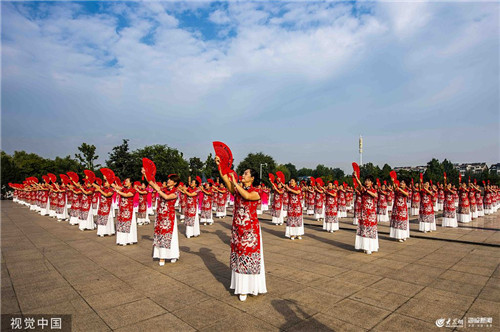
[[175, 178], [256, 178], [369, 177]]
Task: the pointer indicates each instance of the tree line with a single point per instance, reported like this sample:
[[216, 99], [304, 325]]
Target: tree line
[[126, 163]]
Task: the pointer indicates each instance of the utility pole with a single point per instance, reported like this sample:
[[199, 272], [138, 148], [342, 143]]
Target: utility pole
[[360, 150]]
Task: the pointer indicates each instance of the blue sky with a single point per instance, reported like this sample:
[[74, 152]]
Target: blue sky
[[297, 80]]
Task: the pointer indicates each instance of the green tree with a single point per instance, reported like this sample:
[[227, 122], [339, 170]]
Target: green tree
[[321, 171], [254, 160], [338, 174], [210, 167], [167, 160], [434, 171], [385, 173], [120, 160], [369, 169], [10, 173], [293, 170], [87, 156], [305, 172], [196, 166]]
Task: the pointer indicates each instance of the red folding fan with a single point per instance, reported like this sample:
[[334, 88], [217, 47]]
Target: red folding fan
[[281, 176], [90, 176], [118, 182], [378, 182], [198, 179], [393, 175], [52, 177], [459, 178], [354, 182], [421, 177], [149, 168], [46, 178], [271, 177], [313, 181], [225, 155], [355, 167], [73, 176], [99, 181], [108, 174], [137, 184], [444, 175], [64, 178]]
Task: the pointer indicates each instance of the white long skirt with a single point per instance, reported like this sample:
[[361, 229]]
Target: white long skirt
[[87, 223], [265, 207], [463, 217], [108, 229], [250, 283], [449, 222], [173, 252], [364, 243], [383, 217], [278, 220], [64, 214], [310, 212], [193, 230], [45, 210], [128, 238], [52, 213], [74, 221], [355, 220], [427, 226], [320, 215], [221, 214], [474, 215], [294, 231], [207, 220], [440, 206], [149, 211], [143, 221], [415, 211], [330, 226]]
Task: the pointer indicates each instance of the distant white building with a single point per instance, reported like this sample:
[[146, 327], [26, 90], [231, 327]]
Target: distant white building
[[495, 168], [420, 169], [474, 168]]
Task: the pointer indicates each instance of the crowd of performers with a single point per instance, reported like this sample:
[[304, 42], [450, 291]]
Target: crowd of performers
[[95, 203]]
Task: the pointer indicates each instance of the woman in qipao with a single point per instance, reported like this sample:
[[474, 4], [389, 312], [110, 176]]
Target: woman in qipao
[[366, 233], [247, 257]]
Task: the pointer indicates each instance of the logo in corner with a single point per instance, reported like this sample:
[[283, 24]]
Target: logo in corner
[[440, 322]]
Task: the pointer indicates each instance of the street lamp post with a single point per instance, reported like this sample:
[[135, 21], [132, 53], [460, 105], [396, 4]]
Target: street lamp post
[[261, 169]]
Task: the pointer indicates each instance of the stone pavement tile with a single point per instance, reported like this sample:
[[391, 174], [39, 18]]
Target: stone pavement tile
[[164, 322], [462, 277], [240, 322], [374, 269], [393, 264], [99, 285], [76, 306], [9, 300], [398, 287], [277, 312], [43, 285], [401, 258], [362, 278], [471, 268], [431, 304], [302, 277], [12, 256], [491, 292], [89, 322], [496, 273], [30, 300], [456, 286], [179, 298], [316, 299], [351, 311], [396, 322], [113, 298], [323, 322], [278, 286], [379, 298], [417, 273], [19, 269], [207, 313], [484, 308], [340, 288], [130, 313]]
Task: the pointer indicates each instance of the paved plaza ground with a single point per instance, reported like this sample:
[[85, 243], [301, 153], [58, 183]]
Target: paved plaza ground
[[318, 283]]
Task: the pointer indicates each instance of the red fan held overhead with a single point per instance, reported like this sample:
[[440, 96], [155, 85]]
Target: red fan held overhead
[[108, 174], [396, 182], [90, 176], [355, 167], [345, 185], [475, 181], [336, 182], [211, 181], [313, 181], [99, 181], [137, 184], [52, 177], [73, 176], [484, 183], [393, 175], [271, 177], [118, 182], [64, 179], [444, 175], [385, 183], [225, 155], [430, 182], [354, 182], [459, 178], [45, 178], [149, 168], [281, 176], [198, 179], [378, 182], [421, 177]]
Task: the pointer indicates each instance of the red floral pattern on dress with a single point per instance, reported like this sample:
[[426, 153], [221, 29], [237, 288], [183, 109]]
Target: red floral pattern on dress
[[125, 211], [399, 216], [104, 208], [294, 215], [367, 225], [426, 211], [206, 204], [245, 236], [449, 210], [191, 209], [331, 207], [165, 220], [463, 204]]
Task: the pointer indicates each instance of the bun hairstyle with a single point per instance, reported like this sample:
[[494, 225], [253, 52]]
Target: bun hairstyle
[[255, 175], [175, 178]]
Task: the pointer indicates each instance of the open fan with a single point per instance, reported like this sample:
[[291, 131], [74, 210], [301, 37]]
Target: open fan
[[281, 176], [149, 168], [444, 175], [118, 181], [393, 175], [355, 167], [198, 179], [52, 177], [108, 174], [459, 178], [271, 177], [354, 182], [336, 182], [378, 182], [73, 176], [46, 178], [313, 181], [90, 176], [99, 181], [225, 155], [421, 177]]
